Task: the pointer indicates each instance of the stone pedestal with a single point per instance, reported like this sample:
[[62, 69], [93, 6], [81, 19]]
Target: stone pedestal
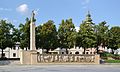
[[34, 57], [97, 59], [28, 57]]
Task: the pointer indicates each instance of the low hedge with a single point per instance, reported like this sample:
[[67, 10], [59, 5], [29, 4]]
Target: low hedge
[[116, 57], [112, 61], [107, 55]]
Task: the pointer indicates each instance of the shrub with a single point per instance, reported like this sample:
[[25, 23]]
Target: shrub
[[106, 54], [116, 57], [112, 61]]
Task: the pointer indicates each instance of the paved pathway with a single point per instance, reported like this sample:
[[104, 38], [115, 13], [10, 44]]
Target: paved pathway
[[60, 68]]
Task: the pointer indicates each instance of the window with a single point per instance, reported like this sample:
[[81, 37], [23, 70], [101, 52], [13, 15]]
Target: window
[[86, 52], [14, 54], [14, 48], [76, 52], [90, 52]]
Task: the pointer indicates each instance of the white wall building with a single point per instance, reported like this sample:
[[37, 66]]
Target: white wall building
[[15, 52], [11, 52], [58, 51], [76, 50]]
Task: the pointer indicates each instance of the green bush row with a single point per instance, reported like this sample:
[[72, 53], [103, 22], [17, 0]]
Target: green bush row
[[112, 61], [105, 56]]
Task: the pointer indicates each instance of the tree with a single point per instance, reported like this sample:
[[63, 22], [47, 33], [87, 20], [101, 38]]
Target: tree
[[25, 34], [114, 41], [87, 33], [101, 31], [67, 34], [47, 36], [16, 35], [38, 37], [6, 35]]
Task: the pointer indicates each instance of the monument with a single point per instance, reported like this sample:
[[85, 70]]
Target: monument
[[32, 32], [30, 57]]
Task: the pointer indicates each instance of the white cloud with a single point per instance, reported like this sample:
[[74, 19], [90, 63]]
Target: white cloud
[[77, 29], [5, 9], [23, 8], [85, 2]]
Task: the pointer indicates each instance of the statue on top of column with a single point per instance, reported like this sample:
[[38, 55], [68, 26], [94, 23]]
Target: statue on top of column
[[33, 17]]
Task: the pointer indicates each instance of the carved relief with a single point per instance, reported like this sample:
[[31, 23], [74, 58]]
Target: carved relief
[[48, 58]]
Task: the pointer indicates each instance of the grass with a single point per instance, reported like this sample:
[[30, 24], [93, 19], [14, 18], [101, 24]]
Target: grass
[[112, 61]]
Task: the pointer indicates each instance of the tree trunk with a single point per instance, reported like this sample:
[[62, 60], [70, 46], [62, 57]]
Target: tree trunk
[[26, 48], [66, 51], [97, 50], [47, 51], [2, 54], [112, 51], [84, 50]]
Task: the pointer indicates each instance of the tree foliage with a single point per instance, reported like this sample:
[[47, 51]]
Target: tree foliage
[[67, 34], [6, 35], [47, 35], [102, 34], [25, 34], [87, 33], [114, 35]]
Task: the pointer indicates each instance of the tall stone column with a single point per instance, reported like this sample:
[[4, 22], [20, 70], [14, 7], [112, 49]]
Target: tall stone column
[[30, 57], [32, 32]]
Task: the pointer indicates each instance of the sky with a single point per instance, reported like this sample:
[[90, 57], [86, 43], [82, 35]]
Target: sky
[[16, 11]]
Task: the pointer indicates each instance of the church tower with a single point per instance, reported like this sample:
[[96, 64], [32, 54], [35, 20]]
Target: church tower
[[88, 18]]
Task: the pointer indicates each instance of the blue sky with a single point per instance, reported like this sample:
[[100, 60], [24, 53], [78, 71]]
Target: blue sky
[[16, 11]]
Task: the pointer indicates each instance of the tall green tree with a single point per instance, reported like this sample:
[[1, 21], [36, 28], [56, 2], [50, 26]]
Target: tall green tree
[[114, 41], [16, 35], [67, 34], [102, 35], [47, 36], [25, 34], [87, 33], [38, 37], [6, 35]]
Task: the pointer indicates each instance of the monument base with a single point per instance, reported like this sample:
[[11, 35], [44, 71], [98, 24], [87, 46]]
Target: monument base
[[28, 57]]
